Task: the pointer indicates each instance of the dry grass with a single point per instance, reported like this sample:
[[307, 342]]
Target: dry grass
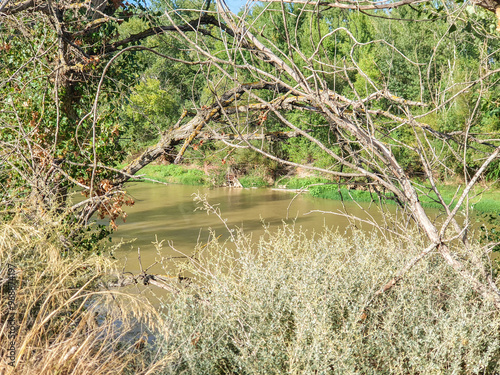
[[65, 324]]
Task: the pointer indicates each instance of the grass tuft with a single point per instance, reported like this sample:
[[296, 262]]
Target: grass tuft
[[301, 182], [54, 313], [252, 181]]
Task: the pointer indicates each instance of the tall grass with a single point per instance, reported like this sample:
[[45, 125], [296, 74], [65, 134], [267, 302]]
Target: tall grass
[[65, 323], [301, 182], [292, 304]]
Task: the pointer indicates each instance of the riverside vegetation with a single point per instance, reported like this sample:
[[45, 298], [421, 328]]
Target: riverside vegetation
[[486, 200], [63, 321], [286, 302], [396, 98], [292, 304]]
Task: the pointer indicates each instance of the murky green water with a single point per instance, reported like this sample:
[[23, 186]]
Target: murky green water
[[168, 213]]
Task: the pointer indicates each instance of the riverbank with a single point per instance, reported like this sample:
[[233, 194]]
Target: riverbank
[[484, 199], [291, 298]]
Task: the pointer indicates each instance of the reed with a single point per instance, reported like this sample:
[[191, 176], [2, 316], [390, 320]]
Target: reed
[[63, 322]]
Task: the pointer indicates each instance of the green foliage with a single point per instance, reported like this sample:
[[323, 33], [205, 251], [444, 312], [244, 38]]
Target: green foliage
[[298, 304], [413, 60], [490, 229], [86, 240], [489, 203], [362, 84], [252, 181], [49, 118], [176, 174], [302, 182], [493, 172], [332, 191], [150, 110]]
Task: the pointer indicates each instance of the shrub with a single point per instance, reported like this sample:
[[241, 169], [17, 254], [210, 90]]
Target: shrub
[[293, 304], [252, 181], [302, 182]]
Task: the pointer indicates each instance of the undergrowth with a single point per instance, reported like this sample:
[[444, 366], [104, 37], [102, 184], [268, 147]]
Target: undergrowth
[[176, 174], [252, 181], [299, 304], [301, 182], [487, 203]]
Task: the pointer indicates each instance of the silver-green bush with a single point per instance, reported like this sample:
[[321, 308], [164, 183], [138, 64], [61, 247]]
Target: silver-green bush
[[296, 305]]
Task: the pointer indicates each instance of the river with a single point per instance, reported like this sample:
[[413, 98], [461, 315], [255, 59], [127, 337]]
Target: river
[[168, 213]]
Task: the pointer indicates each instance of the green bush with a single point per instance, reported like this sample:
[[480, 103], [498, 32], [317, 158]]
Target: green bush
[[296, 305], [302, 182], [175, 174], [252, 181]]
